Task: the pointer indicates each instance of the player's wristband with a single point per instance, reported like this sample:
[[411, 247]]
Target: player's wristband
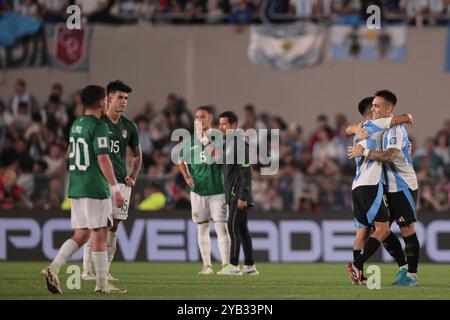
[[115, 188], [366, 152]]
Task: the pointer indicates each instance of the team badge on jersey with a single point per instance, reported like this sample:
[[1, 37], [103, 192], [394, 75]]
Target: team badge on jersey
[[393, 140], [124, 133]]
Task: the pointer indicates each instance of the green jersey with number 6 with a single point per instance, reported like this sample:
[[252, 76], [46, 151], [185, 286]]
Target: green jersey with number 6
[[207, 175], [88, 138], [121, 135]]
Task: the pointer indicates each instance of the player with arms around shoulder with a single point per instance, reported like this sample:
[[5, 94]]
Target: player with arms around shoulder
[[391, 243], [400, 181], [205, 178], [91, 176], [123, 133], [370, 208]]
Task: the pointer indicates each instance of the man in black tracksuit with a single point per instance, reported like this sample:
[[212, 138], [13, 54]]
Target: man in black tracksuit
[[238, 186]]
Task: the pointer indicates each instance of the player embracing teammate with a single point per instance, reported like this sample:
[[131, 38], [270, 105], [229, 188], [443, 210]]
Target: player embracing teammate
[[385, 156]]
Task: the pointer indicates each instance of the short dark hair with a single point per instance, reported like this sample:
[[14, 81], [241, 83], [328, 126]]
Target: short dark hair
[[322, 117], [90, 95], [249, 108], [230, 115], [364, 105], [22, 82], [387, 95], [205, 108], [117, 85]]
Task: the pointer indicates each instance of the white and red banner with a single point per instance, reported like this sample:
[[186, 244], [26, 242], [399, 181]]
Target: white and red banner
[[69, 49]]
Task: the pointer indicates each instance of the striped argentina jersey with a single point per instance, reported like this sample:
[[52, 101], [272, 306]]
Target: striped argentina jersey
[[369, 172], [400, 174]]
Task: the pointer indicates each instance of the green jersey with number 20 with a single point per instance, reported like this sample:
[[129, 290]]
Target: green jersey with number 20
[[88, 138]]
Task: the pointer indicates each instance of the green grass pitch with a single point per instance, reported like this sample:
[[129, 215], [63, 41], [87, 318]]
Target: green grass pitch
[[22, 280]]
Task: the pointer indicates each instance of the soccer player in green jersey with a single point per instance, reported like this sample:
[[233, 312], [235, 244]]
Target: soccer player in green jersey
[[123, 133], [205, 178], [91, 176]]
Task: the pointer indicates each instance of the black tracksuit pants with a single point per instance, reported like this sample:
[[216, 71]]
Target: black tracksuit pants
[[239, 233]]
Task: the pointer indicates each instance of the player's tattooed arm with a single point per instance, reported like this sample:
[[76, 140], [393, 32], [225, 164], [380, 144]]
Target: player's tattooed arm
[[136, 163], [383, 156], [358, 150], [402, 119]]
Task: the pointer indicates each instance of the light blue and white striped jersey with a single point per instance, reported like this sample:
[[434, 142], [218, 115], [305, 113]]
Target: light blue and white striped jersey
[[399, 175], [369, 172]]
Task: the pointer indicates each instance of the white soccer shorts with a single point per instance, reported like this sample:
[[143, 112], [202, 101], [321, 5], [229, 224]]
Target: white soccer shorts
[[205, 208], [90, 213], [122, 212]]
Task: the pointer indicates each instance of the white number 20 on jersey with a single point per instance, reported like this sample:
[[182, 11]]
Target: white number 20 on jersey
[[79, 149]]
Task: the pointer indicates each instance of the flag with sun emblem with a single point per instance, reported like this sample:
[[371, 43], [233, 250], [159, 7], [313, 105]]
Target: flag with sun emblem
[[388, 43], [286, 47]]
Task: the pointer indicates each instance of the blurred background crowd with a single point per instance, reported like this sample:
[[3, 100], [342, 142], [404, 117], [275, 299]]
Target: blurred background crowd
[[239, 12], [315, 174]]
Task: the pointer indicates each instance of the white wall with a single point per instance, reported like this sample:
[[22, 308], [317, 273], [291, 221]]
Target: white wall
[[210, 65]]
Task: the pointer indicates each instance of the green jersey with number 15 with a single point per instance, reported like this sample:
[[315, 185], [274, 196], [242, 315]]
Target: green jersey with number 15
[[88, 138], [121, 135]]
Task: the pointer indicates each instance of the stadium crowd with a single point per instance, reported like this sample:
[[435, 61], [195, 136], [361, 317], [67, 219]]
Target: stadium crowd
[[239, 12], [314, 175]]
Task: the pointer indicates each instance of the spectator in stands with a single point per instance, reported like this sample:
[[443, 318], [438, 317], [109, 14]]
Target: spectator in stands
[[322, 123], [53, 11], [22, 119], [55, 160], [215, 13], [55, 117], [391, 6], [322, 9], [428, 162], [241, 13], [295, 141], [340, 120], [442, 148], [21, 95], [55, 195], [177, 114], [96, 11], [309, 199], [11, 194], [341, 142], [414, 10], [76, 108], [28, 8], [145, 140], [17, 155], [436, 10], [6, 125], [249, 118], [304, 8], [429, 200], [324, 154], [348, 11]]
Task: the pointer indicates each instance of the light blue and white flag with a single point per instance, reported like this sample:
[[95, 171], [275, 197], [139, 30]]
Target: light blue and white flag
[[286, 47], [349, 42]]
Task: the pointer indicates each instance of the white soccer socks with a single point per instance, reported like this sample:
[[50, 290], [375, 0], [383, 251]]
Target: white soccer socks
[[65, 252], [111, 245], [100, 259], [204, 242], [87, 257], [223, 239]]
